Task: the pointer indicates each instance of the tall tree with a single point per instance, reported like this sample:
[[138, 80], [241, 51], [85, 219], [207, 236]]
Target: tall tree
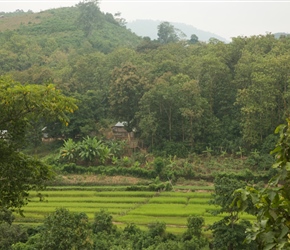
[[191, 108], [193, 39], [90, 15], [258, 103], [167, 33], [20, 104], [263, 93], [126, 89], [171, 108]]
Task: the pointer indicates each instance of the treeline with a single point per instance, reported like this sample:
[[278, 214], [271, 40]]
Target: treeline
[[67, 230], [178, 96]]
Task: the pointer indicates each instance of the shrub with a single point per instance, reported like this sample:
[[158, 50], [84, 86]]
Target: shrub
[[105, 241], [195, 243], [175, 148], [132, 229], [72, 168], [137, 188], [169, 245], [158, 165], [231, 237], [157, 229], [11, 234], [258, 161], [194, 227], [6, 216], [103, 222], [64, 230]]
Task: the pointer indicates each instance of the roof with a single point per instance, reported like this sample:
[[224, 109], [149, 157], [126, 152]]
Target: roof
[[120, 124]]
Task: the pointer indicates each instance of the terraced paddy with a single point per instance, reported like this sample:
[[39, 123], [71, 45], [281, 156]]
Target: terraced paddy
[[139, 207]]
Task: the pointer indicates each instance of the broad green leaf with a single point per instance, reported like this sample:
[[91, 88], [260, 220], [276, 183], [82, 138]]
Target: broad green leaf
[[269, 246], [276, 165], [287, 166]]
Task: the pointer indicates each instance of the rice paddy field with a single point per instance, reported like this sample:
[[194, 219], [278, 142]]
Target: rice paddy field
[[139, 207]]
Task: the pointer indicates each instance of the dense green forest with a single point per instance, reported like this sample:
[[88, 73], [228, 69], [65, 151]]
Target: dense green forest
[[75, 72], [179, 96]]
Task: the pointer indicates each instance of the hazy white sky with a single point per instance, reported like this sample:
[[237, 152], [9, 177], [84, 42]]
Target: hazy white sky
[[228, 18]]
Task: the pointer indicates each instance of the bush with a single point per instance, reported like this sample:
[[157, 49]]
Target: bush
[[11, 234], [6, 216], [159, 186], [195, 243], [158, 165], [72, 168], [175, 148], [103, 222], [137, 188], [32, 244], [258, 161], [157, 229], [64, 230], [105, 241], [227, 236], [194, 227]]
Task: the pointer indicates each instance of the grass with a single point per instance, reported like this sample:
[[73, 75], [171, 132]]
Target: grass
[[145, 220], [198, 201], [90, 193], [95, 199], [192, 188], [179, 210], [168, 200], [189, 195], [79, 205], [93, 188], [139, 207], [125, 194]]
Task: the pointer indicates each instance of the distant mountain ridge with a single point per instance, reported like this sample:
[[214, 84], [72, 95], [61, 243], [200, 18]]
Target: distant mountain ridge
[[279, 34], [142, 27]]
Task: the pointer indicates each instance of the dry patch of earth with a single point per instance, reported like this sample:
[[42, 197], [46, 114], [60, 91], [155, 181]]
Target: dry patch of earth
[[98, 180]]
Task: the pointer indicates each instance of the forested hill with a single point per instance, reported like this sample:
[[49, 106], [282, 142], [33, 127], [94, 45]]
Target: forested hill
[[70, 27], [180, 96]]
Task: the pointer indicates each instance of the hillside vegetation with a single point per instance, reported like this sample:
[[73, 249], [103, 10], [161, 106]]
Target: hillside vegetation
[[198, 111], [181, 96], [63, 26]]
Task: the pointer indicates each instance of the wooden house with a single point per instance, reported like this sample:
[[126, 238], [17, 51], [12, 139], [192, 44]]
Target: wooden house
[[120, 133]]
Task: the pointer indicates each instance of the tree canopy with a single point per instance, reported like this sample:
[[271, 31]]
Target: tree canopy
[[20, 104], [173, 91], [167, 33]]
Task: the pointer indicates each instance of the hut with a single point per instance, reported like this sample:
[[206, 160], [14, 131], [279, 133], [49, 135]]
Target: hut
[[120, 133]]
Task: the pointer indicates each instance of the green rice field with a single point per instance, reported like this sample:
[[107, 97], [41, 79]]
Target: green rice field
[[139, 207]]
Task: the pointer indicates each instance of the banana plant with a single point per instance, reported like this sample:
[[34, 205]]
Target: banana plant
[[69, 151], [90, 149]]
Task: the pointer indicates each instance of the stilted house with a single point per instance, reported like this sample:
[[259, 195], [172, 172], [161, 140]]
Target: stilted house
[[120, 133]]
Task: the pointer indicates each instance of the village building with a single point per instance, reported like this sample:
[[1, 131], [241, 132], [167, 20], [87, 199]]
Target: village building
[[120, 133]]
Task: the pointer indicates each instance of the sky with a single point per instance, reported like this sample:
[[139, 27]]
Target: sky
[[228, 18]]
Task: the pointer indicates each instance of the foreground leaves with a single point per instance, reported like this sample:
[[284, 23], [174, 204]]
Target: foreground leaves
[[272, 204], [19, 105]]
